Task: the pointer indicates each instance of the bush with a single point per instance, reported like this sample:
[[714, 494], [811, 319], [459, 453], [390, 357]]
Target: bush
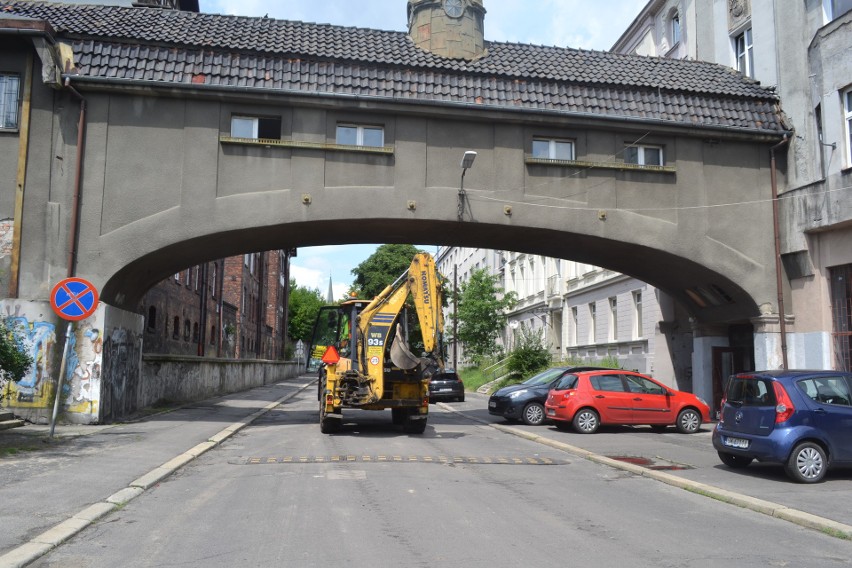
[[14, 359], [529, 355]]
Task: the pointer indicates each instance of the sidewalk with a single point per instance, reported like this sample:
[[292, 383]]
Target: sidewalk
[[53, 488]]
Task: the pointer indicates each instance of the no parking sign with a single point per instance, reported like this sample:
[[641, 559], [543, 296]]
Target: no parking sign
[[74, 299]]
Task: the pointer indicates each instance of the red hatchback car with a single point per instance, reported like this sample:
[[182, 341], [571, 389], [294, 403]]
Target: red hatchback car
[[587, 399]]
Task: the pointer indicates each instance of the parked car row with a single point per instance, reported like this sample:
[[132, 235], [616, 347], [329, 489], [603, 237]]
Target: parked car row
[[584, 398], [799, 419]]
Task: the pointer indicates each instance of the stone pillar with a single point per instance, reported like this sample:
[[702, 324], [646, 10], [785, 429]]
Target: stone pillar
[[705, 338], [767, 343], [102, 365]]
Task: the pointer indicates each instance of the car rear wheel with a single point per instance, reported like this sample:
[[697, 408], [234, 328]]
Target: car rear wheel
[[688, 421], [533, 414], [734, 462], [586, 421], [807, 463]]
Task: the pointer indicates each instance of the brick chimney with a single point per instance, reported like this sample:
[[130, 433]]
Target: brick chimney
[[449, 28]]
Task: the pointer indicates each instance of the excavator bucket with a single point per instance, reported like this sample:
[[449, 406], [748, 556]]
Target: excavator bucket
[[400, 355]]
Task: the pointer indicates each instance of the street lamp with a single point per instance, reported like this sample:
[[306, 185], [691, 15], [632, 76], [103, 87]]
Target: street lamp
[[467, 162]]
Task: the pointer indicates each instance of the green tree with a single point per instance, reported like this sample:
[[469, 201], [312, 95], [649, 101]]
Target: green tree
[[380, 269], [530, 354], [303, 308], [14, 360], [481, 314]]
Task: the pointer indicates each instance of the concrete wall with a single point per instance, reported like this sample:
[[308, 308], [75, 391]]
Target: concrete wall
[[167, 378]]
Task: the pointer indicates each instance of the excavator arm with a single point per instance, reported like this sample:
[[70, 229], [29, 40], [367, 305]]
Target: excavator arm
[[364, 383]]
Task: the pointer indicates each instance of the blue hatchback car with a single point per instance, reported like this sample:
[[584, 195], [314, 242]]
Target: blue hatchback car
[[800, 419]]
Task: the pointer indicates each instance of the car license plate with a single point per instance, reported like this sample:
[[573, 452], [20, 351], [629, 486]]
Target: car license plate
[[735, 443], [492, 404], [445, 390], [551, 411]]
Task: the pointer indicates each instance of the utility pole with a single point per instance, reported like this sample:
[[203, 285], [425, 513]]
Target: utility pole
[[455, 317]]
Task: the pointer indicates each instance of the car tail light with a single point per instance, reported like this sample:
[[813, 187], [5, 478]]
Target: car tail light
[[568, 394], [784, 408]]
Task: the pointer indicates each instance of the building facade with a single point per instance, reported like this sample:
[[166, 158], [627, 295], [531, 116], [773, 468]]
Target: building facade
[[802, 50]]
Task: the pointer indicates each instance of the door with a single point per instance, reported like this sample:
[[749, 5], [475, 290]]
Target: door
[[651, 403], [727, 361], [611, 399]]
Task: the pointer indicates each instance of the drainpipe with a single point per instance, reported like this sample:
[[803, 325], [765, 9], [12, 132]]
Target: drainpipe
[[778, 281], [78, 176]]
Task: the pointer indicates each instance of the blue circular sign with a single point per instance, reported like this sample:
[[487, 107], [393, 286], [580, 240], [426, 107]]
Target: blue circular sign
[[74, 299]]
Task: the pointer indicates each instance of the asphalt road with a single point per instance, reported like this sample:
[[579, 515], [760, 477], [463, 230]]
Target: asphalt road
[[280, 493]]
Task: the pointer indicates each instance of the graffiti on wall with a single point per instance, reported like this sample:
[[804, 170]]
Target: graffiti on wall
[[122, 356], [81, 383], [35, 389]]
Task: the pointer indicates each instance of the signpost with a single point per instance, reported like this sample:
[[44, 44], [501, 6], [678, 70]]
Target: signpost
[[72, 299]]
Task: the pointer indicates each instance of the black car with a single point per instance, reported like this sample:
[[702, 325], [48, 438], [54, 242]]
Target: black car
[[525, 401], [446, 386]]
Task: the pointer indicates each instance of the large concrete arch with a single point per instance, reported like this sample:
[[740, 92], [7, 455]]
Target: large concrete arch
[[163, 182]]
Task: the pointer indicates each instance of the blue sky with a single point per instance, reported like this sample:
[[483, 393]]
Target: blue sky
[[565, 23]]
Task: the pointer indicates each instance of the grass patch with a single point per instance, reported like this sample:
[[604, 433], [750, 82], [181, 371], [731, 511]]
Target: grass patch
[[15, 450]]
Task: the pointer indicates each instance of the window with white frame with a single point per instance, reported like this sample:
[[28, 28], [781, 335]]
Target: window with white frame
[[10, 87], [552, 149], [674, 29], [744, 52], [643, 155], [360, 135], [613, 319], [637, 314], [256, 127], [847, 114]]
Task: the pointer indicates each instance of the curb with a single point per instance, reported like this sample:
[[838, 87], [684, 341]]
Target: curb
[[801, 518], [53, 537]]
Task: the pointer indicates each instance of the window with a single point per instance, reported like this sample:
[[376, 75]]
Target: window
[[186, 330], [638, 324], [152, 318], [611, 383], [674, 27], [827, 390], [847, 115], [743, 48], [10, 86], [613, 319], [593, 332], [836, 8], [212, 335], [546, 149], [357, 135], [841, 312], [643, 155], [642, 385], [256, 127], [574, 324], [176, 328]]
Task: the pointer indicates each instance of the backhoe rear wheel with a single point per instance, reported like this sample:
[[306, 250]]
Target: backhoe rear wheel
[[329, 424]]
